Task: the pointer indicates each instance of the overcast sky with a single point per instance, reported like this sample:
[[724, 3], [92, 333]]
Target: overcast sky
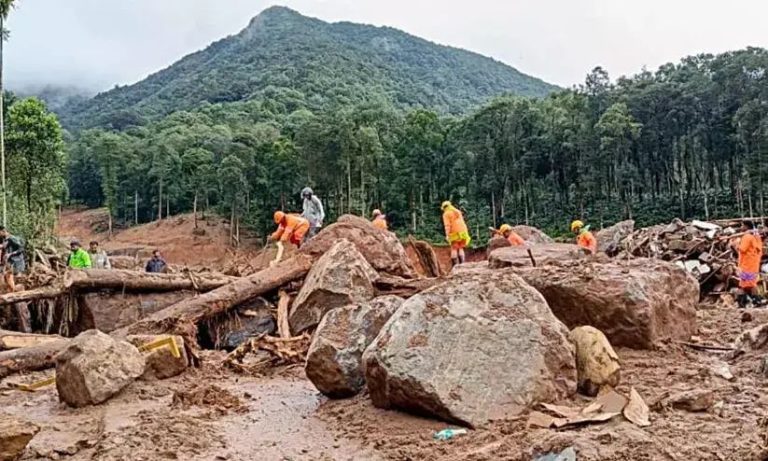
[[99, 43]]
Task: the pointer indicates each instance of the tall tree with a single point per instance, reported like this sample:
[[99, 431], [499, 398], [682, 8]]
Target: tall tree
[[5, 10]]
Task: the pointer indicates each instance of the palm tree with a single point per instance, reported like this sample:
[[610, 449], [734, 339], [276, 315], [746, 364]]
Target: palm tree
[[5, 10]]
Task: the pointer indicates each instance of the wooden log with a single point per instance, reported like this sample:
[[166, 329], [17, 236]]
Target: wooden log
[[120, 279], [181, 317], [33, 358], [31, 295], [391, 285], [283, 327], [17, 340]]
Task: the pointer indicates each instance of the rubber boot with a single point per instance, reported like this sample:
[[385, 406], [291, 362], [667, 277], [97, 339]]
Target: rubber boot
[[454, 262], [462, 258]]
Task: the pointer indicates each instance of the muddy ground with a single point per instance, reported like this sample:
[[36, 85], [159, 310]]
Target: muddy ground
[[213, 413]]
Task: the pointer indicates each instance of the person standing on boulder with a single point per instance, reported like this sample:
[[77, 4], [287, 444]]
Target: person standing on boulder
[[584, 237], [290, 228], [379, 220], [313, 212], [456, 232], [750, 248]]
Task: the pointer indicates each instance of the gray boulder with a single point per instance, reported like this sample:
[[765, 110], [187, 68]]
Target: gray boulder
[[340, 277], [543, 254], [334, 361], [609, 239], [476, 348], [95, 367]]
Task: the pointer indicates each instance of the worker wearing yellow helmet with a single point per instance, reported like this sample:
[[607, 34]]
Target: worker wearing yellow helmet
[[512, 237], [584, 237], [456, 232], [379, 220]]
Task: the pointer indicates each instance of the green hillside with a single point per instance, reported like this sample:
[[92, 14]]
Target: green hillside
[[306, 62]]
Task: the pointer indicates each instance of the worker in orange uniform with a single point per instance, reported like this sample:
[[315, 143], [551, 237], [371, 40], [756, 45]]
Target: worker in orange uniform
[[379, 220], [584, 237], [750, 249], [290, 228], [456, 232], [512, 237]]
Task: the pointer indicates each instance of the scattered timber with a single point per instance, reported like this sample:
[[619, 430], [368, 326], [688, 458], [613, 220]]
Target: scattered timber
[[17, 340]]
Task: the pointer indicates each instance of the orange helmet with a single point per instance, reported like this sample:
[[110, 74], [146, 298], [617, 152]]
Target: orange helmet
[[279, 216]]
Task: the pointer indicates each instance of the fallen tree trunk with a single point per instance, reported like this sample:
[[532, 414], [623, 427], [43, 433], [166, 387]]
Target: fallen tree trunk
[[391, 285], [31, 295], [19, 340], [181, 317], [34, 358], [120, 279]]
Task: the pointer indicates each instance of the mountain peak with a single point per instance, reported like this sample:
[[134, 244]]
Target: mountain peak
[[275, 13]]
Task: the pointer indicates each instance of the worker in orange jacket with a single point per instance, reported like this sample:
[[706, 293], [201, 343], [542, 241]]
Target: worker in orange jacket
[[512, 237], [290, 228], [379, 220], [584, 237], [456, 232], [750, 248]]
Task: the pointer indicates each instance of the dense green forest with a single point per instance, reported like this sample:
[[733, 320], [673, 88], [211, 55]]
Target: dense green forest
[[299, 62], [690, 140]]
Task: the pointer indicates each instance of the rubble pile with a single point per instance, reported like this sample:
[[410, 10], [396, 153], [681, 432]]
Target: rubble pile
[[702, 248]]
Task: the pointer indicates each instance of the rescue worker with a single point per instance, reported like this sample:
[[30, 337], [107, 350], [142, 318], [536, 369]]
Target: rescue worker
[[13, 257], [78, 258], [379, 220], [313, 211], [584, 237], [512, 237], [750, 248], [456, 232]]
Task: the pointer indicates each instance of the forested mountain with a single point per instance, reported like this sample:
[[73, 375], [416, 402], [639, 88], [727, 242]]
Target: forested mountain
[[689, 140], [299, 62]]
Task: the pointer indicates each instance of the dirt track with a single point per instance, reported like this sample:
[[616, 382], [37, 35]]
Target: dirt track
[[286, 418]]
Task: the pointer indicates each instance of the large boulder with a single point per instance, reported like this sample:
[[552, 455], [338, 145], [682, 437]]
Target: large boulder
[[543, 254], [532, 235], [340, 277], [15, 434], [380, 248], [94, 367], [609, 239], [475, 348], [596, 361], [635, 303], [160, 362], [495, 243], [334, 361]]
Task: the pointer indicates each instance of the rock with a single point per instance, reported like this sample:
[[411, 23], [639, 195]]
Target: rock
[[609, 239], [160, 363], [532, 235], [746, 317], [596, 361], [635, 303], [693, 400], [636, 410], [108, 311], [334, 361], [94, 367], [475, 348], [15, 434], [495, 243], [544, 254], [380, 248], [340, 277]]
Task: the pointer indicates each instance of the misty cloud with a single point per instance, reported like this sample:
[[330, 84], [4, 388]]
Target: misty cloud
[[99, 43]]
